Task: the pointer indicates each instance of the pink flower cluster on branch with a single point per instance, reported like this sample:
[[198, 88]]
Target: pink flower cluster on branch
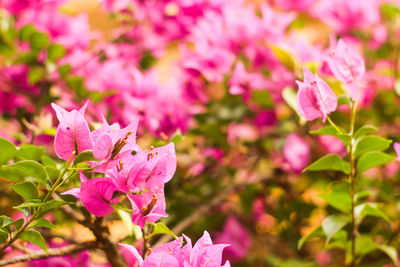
[[127, 169]]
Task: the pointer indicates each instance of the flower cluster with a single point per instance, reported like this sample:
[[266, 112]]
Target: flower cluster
[[173, 254], [127, 169]]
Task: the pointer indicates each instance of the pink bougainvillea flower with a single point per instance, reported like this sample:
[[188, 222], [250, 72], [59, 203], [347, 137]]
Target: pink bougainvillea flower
[[296, 153], [148, 206], [238, 238], [73, 134], [315, 99], [110, 142], [96, 194], [396, 147], [204, 253], [348, 66], [242, 82]]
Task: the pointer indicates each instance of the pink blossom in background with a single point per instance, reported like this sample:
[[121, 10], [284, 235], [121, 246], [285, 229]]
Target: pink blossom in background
[[332, 144], [344, 16], [294, 4], [348, 66], [323, 258], [244, 132], [396, 147], [315, 99], [242, 82], [296, 153], [238, 238]]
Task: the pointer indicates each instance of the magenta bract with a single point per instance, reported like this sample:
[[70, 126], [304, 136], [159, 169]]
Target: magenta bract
[[315, 99]]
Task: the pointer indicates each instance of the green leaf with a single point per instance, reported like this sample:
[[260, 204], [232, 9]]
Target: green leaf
[[365, 130], [55, 51], [53, 204], [26, 32], [391, 252], [364, 244], [340, 200], [3, 236], [330, 130], [34, 237], [370, 143], [32, 170], [36, 203], [5, 220], [329, 162], [64, 70], [8, 150], [30, 152], [26, 189], [52, 172], [316, 232], [372, 159], [76, 83], [48, 161], [18, 223], [343, 99], [160, 229], [35, 75], [43, 223], [290, 95], [86, 155], [369, 209], [262, 98], [38, 40], [177, 137], [332, 224]]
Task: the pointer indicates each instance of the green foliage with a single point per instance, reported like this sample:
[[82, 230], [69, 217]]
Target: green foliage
[[332, 224], [34, 237], [43, 223], [35, 75], [38, 41], [338, 198], [364, 130], [317, 232], [84, 156], [25, 32], [160, 228], [31, 170], [372, 159], [262, 98], [30, 152], [330, 130], [8, 150], [370, 143], [55, 52], [26, 189], [369, 209], [329, 162]]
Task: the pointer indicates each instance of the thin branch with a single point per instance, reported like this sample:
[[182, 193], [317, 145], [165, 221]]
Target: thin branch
[[52, 252]]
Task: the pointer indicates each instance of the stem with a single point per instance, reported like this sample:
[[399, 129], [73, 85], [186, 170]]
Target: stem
[[334, 125], [352, 182]]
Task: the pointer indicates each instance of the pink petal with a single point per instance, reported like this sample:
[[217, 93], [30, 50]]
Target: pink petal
[[95, 195]]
